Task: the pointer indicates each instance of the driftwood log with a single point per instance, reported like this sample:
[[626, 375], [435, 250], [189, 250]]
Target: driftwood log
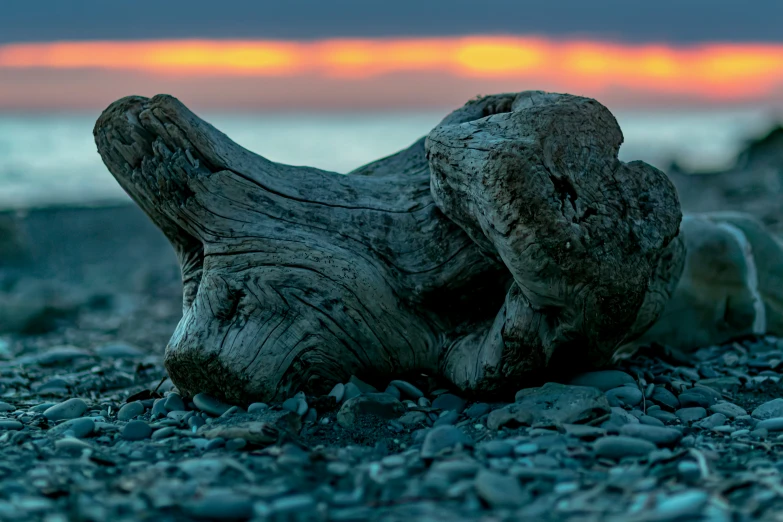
[[510, 240]]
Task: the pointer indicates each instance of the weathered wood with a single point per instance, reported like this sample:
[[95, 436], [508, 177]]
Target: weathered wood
[[512, 240]]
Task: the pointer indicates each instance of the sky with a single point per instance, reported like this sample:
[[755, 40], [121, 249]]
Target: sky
[[342, 55]]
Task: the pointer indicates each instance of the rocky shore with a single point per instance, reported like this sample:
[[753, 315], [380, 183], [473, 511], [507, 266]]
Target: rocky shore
[[92, 429]]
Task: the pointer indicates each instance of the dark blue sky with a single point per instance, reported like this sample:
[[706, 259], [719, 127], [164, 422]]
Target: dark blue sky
[[676, 21]]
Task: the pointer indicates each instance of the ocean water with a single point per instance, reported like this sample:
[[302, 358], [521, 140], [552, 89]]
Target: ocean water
[[51, 159]]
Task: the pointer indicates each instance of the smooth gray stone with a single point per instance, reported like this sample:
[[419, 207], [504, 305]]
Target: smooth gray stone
[[350, 391], [296, 405], [687, 504], [196, 422], [69, 409], [665, 398], [378, 405], [393, 391], [447, 419], [57, 384], [552, 404], [624, 396], [163, 433], [604, 380], [713, 421], [61, 355], [442, 439], [500, 491], [449, 401], [728, 409], [235, 444], [527, 448], [81, 427], [174, 402], [71, 444], [773, 424], [619, 447], [768, 410], [216, 443], [209, 404], [692, 398], [258, 407], [650, 420], [658, 435], [11, 425], [5, 407], [496, 448], [363, 386], [692, 414], [407, 389], [220, 504], [159, 409], [235, 410], [663, 416], [40, 408], [136, 430], [424, 402], [478, 409], [130, 410], [338, 392], [118, 350]]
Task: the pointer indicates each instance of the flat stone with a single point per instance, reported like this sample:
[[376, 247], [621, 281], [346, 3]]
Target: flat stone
[[363, 386], [686, 505], [350, 391], [500, 491], [619, 447], [730, 410], [552, 404], [80, 427], [604, 380], [136, 430], [477, 410], [651, 421], [693, 397], [663, 416], [407, 389], [496, 448], [61, 355], [5, 407], [444, 439], [773, 424], [163, 433], [713, 421], [448, 418], [528, 448], [174, 402], [71, 444], [69, 409], [338, 392], [130, 410], [660, 436], [664, 398], [624, 396], [449, 401], [11, 425], [209, 404], [378, 405], [768, 410], [691, 414], [159, 408], [258, 407]]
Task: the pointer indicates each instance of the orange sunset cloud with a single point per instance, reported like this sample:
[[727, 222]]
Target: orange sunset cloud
[[713, 72]]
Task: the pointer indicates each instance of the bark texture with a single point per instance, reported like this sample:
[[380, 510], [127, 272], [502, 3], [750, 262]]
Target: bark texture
[[512, 239]]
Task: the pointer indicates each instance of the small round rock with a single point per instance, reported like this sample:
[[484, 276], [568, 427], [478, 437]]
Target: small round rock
[[209, 404], [619, 447], [136, 430], [130, 410], [70, 409]]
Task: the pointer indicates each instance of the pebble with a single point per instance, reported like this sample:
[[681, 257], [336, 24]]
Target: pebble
[[477, 410], [220, 504], [159, 408], [604, 380], [663, 416], [393, 391], [692, 414], [350, 391], [136, 430], [338, 392], [651, 421], [694, 397], [71, 444], [728, 409], [681, 505], [80, 428], [618, 447], [769, 410], [773, 424], [5, 407], [407, 389], [130, 410], [424, 402], [209, 404], [500, 491], [12, 425], [660, 436], [174, 402], [713, 421], [118, 350], [296, 405], [363, 386], [497, 448], [69, 409], [665, 398], [442, 439], [449, 401], [413, 418], [163, 433], [378, 405], [257, 407], [528, 448], [61, 355], [216, 443], [235, 444], [196, 422], [448, 418], [624, 396]]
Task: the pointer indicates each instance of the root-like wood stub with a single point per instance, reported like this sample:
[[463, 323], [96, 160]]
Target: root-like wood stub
[[513, 240]]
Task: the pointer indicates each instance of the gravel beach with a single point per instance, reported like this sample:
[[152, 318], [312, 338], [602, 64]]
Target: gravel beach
[[92, 429]]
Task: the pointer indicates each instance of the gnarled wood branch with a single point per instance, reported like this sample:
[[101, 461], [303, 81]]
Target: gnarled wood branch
[[511, 240]]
